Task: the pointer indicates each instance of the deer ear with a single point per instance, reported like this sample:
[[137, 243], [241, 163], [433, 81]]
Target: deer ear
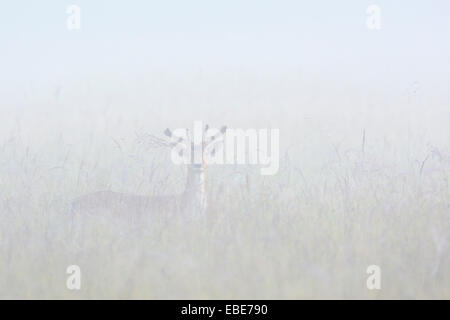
[[167, 132]]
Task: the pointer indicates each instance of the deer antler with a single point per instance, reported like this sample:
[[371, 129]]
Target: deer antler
[[151, 141], [217, 135]]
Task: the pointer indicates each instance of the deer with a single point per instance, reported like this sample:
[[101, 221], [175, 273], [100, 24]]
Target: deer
[[192, 203]]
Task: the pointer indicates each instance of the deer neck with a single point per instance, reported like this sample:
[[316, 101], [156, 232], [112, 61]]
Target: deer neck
[[195, 192]]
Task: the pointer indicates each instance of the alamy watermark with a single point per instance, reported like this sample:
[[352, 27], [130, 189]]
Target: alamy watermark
[[74, 280], [73, 21], [374, 280], [373, 21], [226, 146]]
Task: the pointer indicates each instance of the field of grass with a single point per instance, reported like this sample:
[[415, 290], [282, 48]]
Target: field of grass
[[309, 231]]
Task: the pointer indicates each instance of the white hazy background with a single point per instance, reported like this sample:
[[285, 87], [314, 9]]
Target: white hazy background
[[364, 131]]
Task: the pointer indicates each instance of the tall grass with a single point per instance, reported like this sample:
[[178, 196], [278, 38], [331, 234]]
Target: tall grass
[[303, 233]]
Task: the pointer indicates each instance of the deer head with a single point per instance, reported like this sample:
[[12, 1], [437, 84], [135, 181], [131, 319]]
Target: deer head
[[198, 148]]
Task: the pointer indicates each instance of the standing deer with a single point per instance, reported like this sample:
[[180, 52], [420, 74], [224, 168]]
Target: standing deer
[[191, 203]]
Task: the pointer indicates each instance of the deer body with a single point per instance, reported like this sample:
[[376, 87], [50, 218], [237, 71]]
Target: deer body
[[191, 203]]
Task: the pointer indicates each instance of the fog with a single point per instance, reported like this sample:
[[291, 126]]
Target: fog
[[364, 150]]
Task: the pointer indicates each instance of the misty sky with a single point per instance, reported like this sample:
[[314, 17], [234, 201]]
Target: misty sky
[[128, 39]]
